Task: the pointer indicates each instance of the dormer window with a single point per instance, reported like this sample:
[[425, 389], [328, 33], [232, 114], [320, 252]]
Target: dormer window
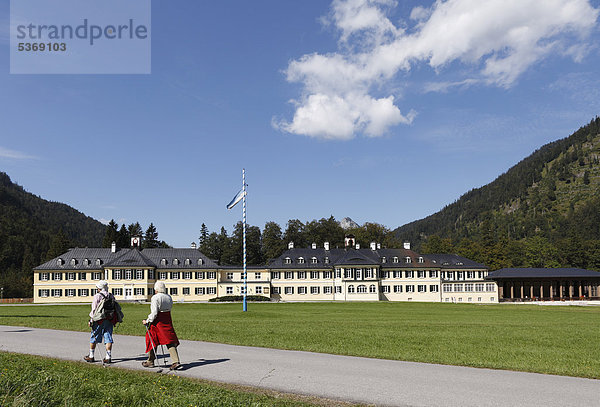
[[60, 262], [395, 259], [73, 262], [98, 262], [420, 259], [383, 260], [460, 263], [314, 260], [188, 262], [326, 260], [163, 262], [288, 260], [301, 260], [86, 262], [200, 262], [408, 259], [176, 261]]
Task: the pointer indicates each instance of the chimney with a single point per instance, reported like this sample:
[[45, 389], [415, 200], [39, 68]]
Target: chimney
[[378, 246], [326, 245], [357, 246], [194, 245], [113, 247], [314, 246], [373, 246], [407, 245], [290, 245]]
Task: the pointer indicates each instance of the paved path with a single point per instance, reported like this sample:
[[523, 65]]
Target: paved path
[[361, 380]]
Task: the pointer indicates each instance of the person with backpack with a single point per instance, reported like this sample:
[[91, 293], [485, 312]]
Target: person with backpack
[[105, 314], [159, 327]]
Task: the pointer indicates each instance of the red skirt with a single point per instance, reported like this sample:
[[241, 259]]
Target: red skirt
[[161, 331]]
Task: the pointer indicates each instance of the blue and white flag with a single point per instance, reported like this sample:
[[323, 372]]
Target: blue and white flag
[[236, 199]]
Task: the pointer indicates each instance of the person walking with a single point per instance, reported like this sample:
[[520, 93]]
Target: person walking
[[159, 326], [103, 317]]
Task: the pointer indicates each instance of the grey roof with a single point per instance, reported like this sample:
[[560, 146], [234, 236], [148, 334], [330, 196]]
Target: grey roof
[[453, 261], [98, 258], [349, 256], [512, 273]]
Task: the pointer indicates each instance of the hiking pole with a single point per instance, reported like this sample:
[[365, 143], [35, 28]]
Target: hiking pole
[[151, 342]]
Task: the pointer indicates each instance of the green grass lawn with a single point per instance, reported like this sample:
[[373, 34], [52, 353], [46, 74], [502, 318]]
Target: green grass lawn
[[557, 340], [35, 381]]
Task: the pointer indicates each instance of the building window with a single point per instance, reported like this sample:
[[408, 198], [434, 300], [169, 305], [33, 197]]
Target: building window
[[58, 276], [410, 274], [71, 277], [56, 293], [73, 262], [460, 275], [187, 275], [314, 260], [200, 291], [199, 275], [162, 275], [479, 287], [128, 274], [44, 276], [150, 274], [173, 291], [395, 260], [70, 292], [383, 260], [451, 275], [470, 274], [98, 262], [301, 260], [351, 289], [315, 290], [338, 273], [372, 289], [229, 276], [117, 291], [458, 288], [139, 274], [200, 262], [276, 290], [289, 290], [326, 260], [83, 292], [301, 290], [434, 288], [468, 288], [422, 288], [314, 274], [188, 262], [257, 276], [186, 290], [490, 287], [301, 276], [361, 289], [212, 275], [175, 275], [327, 289], [369, 273], [176, 262], [163, 262], [211, 290], [359, 274], [138, 291], [229, 290], [410, 288], [327, 275], [44, 293], [385, 289], [288, 260], [259, 290], [275, 275], [338, 289], [407, 260], [433, 274], [420, 259], [289, 275], [397, 288], [420, 274], [116, 274]]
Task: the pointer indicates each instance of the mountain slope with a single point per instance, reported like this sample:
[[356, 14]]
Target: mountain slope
[[29, 225], [554, 193]]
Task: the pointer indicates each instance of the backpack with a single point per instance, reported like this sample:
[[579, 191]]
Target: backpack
[[109, 309]]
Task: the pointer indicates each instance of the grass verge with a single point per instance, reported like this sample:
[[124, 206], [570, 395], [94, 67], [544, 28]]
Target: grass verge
[[35, 381], [556, 340]]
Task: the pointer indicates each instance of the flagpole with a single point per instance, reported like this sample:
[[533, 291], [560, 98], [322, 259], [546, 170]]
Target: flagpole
[[245, 305]]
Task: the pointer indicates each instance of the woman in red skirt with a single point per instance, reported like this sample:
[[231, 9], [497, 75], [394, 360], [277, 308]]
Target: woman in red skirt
[[160, 327]]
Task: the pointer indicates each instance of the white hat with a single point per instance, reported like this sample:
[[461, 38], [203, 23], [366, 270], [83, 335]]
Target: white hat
[[102, 285], [159, 287]]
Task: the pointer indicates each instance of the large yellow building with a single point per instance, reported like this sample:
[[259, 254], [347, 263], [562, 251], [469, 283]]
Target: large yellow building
[[299, 274]]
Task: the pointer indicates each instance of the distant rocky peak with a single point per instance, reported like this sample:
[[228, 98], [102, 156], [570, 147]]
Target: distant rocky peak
[[348, 223]]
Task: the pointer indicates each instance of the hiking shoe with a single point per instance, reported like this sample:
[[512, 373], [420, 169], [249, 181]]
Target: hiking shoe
[[88, 359], [175, 366], [107, 360], [148, 364]]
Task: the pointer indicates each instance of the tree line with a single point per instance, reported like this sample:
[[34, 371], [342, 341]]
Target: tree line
[[122, 236]]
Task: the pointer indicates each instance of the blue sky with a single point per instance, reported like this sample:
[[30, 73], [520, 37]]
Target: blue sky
[[378, 110]]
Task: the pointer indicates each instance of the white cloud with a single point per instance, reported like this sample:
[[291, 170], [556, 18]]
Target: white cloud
[[497, 39], [15, 155]]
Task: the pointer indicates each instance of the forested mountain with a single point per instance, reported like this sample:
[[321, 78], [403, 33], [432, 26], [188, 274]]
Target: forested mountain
[[33, 230], [544, 211]]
